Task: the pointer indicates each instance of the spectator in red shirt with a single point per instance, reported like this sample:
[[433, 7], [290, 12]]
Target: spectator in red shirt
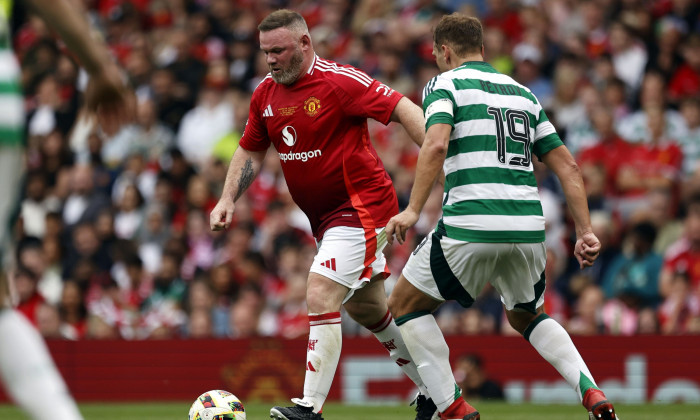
[[293, 319], [683, 257], [663, 154], [685, 82], [26, 285], [73, 311], [609, 153], [315, 112], [680, 308], [502, 16], [649, 166]]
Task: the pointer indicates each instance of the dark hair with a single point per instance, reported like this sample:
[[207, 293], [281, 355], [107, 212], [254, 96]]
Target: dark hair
[[616, 82], [645, 231], [283, 18], [255, 258], [692, 41], [247, 227], [690, 101], [23, 271], [133, 260], [474, 358], [692, 201], [24, 244], [463, 33]]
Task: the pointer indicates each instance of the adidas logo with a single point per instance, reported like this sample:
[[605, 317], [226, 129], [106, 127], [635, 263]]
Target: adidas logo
[[329, 264], [268, 111]]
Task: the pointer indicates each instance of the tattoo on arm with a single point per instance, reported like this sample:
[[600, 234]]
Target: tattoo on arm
[[246, 178]]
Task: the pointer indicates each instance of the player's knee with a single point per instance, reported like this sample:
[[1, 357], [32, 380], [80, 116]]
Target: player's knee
[[316, 303], [520, 320], [367, 312], [394, 305], [323, 297], [398, 306]]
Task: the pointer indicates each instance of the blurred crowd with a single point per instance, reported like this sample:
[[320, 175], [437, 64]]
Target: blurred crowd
[[113, 238]]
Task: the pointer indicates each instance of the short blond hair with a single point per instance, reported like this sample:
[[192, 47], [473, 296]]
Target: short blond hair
[[284, 18]]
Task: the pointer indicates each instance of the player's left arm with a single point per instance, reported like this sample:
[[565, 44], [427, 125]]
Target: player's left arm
[[107, 93], [410, 116], [430, 160], [560, 161]]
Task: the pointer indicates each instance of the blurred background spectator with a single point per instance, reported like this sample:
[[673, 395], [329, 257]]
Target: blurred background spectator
[[112, 238], [473, 379]]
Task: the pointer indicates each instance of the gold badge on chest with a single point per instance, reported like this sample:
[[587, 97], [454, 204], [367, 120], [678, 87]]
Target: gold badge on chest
[[312, 106], [287, 111]]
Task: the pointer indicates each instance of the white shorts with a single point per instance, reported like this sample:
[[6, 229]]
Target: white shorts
[[351, 256], [448, 269]]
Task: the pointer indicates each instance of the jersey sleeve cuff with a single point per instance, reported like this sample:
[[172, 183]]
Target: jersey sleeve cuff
[[546, 144], [395, 98], [253, 147], [440, 118]]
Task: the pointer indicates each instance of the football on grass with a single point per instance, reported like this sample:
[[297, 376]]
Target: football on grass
[[217, 405]]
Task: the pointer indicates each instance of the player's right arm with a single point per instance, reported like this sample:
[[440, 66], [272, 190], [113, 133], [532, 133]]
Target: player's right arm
[[560, 161], [429, 166], [245, 166], [438, 105], [411, 117]]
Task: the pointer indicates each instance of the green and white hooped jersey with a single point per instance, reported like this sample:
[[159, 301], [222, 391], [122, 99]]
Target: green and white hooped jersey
[[11, 100], [490, 189]]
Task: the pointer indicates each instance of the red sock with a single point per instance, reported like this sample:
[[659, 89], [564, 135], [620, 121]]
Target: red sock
[[591, 397], [457, 410]]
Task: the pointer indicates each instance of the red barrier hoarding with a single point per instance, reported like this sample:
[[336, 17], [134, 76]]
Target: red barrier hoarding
[[629, 369]]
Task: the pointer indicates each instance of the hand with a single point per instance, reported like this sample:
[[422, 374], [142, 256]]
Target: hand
[[399, 224], [587, 249], [110, 99], [222, 215]]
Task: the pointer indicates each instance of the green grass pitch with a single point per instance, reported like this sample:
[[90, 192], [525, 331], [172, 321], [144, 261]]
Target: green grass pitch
[[489, 411]]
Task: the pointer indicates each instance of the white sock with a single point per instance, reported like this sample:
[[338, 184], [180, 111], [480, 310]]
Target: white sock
[[389, 335], [554, 344], [28, 372], [430, 353], [322, 355]]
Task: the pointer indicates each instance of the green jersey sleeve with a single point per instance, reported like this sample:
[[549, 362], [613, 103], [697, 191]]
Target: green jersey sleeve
[[438, 103], [546, 137]]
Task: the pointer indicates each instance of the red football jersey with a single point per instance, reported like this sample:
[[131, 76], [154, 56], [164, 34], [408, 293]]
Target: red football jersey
[[318, 126], [681, 258]]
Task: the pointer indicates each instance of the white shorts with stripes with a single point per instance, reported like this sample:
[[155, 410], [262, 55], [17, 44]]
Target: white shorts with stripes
[[448, 269], [351, 256]]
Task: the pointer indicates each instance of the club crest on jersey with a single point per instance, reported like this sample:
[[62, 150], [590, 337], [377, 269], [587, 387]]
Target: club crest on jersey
[[289, 135], [312, 106]]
